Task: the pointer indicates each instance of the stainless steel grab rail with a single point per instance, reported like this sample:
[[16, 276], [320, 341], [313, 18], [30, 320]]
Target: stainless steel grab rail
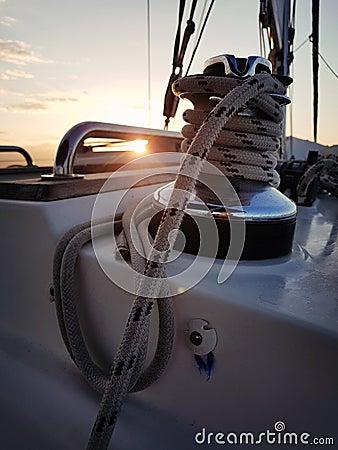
[[15, 149], [74, 138]]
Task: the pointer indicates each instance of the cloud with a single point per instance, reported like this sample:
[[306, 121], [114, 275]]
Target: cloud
[[18, 52], [38, 102], [49, 97], [27, 106], [7, 21], [60, 99], [14, 74]]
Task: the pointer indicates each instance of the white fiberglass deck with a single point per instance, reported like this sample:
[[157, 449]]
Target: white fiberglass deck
[[276, 355]]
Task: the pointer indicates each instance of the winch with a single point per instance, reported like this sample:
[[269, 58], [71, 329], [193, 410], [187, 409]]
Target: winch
[[245, 152]]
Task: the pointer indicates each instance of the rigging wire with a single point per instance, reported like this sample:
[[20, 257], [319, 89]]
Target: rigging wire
[[315, 64], [292, 66], [170, 101], [262, 42], [293, 17], [269, 39], [260, 39], [149, 61], [290, 110], [292, 33], [306, 40], [325, 62], [200, 21], [302, 44], [309, 39], [263, 22], [200, 36]]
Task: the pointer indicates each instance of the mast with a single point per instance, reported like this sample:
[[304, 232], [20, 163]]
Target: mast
[[315, 63], [275, 18]]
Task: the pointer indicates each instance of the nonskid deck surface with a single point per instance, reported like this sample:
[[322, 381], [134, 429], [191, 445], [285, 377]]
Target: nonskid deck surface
[[276, 322]]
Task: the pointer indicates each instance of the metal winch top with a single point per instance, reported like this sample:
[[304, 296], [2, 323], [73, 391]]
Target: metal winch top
[[229, 65]]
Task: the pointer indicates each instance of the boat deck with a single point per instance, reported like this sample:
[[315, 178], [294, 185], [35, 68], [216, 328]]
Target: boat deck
[[276, 356]]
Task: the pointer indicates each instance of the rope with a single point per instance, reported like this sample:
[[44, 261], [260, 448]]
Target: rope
[[136, 331], [246, 147], [65, 259], [217, 135], [327, 170]]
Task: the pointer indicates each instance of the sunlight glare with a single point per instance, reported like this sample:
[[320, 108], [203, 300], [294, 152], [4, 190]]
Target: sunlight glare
[[137, 146]]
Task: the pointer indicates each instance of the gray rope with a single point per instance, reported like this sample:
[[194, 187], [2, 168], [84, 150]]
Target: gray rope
[[220, 138], [65, 260], [246, 147], [326, 168], [256, 90], [58, 258]]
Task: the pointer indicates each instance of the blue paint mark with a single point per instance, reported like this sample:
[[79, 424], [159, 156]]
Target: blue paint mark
[[210, 364], [205, 366], [202, 367]]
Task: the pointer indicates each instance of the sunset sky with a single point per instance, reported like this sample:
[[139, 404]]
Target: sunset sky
[[63, 62]]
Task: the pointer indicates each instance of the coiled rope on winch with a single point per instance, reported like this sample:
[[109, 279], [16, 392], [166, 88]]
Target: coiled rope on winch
[[246, 147], [205, 144]]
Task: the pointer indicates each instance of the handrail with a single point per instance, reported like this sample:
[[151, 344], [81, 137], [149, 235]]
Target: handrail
[[74, 138], [15, 149]]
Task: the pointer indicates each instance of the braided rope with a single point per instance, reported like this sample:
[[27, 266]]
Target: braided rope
[[246, 147], [65, 260], [237, 94], [327, 170]]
